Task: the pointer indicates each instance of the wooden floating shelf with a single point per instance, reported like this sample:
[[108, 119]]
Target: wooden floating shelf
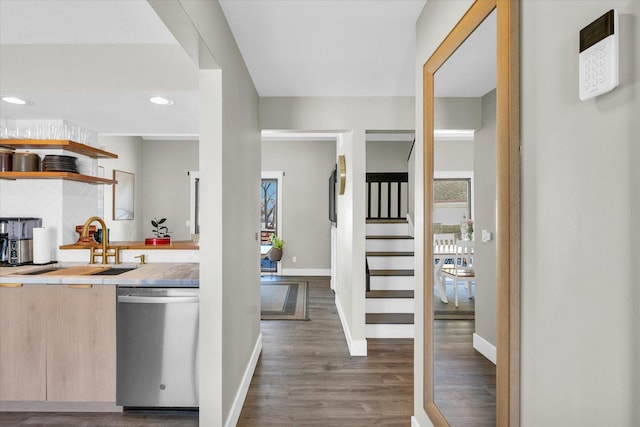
[[58, 144], [69, 176]]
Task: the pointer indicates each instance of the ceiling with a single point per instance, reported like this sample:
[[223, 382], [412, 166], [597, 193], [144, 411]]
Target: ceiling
[[325, 47], [95, 62]]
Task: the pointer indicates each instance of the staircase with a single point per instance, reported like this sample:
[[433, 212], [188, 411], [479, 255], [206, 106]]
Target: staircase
[[390, 279]]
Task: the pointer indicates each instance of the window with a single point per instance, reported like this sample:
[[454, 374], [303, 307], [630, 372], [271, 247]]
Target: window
[[451, 200]]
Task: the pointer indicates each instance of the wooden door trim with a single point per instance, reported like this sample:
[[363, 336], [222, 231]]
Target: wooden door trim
[[508, 204]]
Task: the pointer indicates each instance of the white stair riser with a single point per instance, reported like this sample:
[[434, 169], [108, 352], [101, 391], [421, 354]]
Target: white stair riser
[[389, 305], [390, 262], [389, 245], [392, 283], [389, 331], [387, 229]]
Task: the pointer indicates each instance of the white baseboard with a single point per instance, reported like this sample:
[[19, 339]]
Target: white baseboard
[[238, 402], [485, 348], [356, 347], [416, 423], [306, 272]]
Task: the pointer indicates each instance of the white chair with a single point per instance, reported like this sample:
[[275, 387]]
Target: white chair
[[443, 248], [444, 239], [461, 270]]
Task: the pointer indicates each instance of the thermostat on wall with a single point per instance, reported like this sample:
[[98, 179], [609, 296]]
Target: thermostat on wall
[[599, 56]]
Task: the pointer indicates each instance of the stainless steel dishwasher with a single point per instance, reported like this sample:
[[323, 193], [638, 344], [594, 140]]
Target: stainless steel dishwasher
[[157, 347]]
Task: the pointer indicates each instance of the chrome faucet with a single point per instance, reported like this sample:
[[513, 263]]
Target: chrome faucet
[[105, 255]]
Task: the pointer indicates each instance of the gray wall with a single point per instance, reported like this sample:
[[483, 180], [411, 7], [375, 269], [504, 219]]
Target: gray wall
[[579, 335], [411, 171], [130, 159], [456, 113], [388, 156], [580, 205], [484, 183], [351, 117], [166, 185], [453, 156], [230, 153], [305, 222]]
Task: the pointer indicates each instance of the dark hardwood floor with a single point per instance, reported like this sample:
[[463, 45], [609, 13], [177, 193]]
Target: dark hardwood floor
[[127, 419], [465, 381], [305, 377]]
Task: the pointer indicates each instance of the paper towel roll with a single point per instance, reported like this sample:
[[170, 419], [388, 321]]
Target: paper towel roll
[[41, 245]]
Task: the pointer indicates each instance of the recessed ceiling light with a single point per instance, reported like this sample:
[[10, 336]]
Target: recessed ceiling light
[[14, 100], [160, 100]]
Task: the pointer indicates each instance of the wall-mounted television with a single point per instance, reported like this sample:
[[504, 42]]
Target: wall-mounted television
[[333, 180]]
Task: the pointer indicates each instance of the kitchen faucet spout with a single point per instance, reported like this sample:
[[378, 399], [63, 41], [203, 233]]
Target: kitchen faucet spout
[[85, 233]]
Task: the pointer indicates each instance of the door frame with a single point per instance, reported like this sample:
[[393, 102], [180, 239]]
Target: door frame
[[277, 175]]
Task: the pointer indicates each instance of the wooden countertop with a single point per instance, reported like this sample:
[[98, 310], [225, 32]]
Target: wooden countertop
[[175, 245], [152, 275]]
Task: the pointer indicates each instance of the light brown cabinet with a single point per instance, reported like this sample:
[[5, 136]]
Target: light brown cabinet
[[63, 338], [22, 343], [81, 344]]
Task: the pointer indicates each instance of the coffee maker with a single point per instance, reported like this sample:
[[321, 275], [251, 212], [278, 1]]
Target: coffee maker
[[16, 240], [4, 242]]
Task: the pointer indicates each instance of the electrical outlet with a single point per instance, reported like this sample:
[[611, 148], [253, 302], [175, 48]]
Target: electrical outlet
[[294, 259]]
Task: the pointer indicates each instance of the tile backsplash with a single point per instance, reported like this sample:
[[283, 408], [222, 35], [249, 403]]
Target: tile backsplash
[[61, 204]]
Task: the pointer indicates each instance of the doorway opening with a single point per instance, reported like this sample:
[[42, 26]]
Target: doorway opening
[[270, 218]]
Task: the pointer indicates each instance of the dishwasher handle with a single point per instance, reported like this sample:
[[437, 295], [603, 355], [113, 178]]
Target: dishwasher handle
[[132, 299]]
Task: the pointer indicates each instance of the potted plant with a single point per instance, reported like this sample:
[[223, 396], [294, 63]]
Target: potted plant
[[275, 253], [160, 231]]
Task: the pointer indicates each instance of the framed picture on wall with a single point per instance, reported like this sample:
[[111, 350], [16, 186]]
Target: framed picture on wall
[[123, 200]]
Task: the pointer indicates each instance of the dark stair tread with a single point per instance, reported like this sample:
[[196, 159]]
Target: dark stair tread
[[390, 294], [390, 237], [391, 272], [390, 253], [390, 318], [386, 221]]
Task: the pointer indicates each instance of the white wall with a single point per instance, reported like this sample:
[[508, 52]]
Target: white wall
[[62, 205], [166, 185], [579, 340], [355, 116], [305, 211], [484, 211]]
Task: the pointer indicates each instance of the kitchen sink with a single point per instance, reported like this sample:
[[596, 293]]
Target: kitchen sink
[[82, 271], [47, 270], [113, 271]]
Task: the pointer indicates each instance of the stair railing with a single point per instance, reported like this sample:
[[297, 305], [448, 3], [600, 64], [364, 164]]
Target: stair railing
[[385, 189], [368, 273]]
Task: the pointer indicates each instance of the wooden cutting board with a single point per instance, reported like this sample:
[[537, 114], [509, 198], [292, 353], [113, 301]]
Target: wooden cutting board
[[77, 271]]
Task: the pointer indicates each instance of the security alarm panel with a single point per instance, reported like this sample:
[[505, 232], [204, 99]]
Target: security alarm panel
[[599, 56]]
